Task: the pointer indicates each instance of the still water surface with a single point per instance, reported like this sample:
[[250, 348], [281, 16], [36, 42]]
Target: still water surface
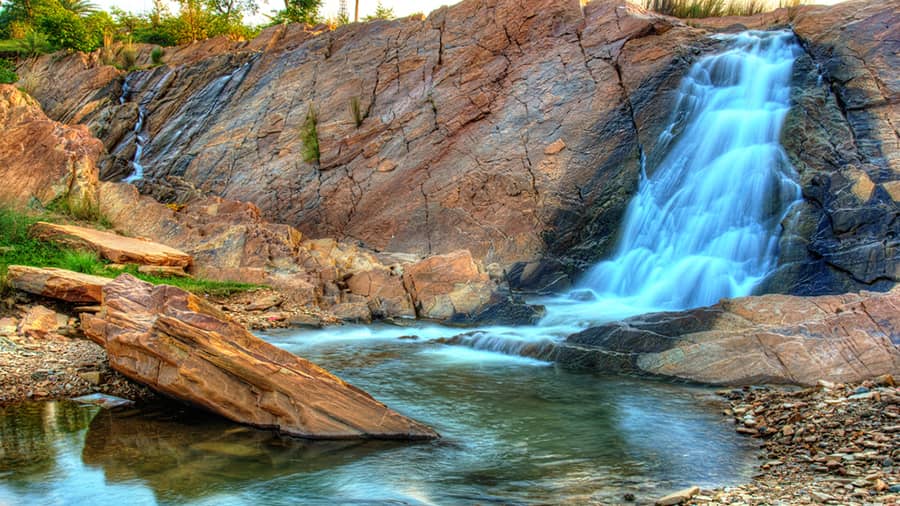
[[515, 431]]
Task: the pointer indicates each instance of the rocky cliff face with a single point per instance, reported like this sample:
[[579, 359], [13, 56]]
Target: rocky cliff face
[[519, 140]]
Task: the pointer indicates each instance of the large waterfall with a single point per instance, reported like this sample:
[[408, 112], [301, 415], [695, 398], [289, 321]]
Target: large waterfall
[[704, 224]]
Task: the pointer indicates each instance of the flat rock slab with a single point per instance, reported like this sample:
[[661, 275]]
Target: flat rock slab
[[116, 248], [55, 283], [764, 339], [181, 346]]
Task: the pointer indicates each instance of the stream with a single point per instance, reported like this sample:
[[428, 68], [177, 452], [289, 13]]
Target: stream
[[514, 430], [704, 225]]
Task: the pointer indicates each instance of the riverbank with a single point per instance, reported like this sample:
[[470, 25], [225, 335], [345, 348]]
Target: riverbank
[[45, 356], [833, 444]]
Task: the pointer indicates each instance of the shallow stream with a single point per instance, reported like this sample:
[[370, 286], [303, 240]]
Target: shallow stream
[[515, 431]]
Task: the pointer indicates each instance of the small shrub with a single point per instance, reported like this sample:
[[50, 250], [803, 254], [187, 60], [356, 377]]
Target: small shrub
[[156, 55], [80, 209], [128, 56], [34, 43], [85, 262], [356, 112], [706, 8], [309, 134], [7, 72]]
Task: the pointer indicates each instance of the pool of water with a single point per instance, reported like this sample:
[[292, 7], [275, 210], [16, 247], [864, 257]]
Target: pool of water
[[515, 431]]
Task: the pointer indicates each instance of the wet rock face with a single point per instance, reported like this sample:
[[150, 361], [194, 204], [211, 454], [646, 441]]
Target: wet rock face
[[771, 338], [179, 345], [842, 139]]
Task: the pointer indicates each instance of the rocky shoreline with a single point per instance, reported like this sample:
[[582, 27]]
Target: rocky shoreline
[[829, 444], [61, 363]]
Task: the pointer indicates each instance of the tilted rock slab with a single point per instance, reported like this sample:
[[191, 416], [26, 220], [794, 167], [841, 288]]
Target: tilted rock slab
[[179, 345], [116, 248], [55, 283], [43, 160], [764, 339]]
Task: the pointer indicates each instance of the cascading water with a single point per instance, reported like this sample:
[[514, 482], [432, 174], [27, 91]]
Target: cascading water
[[704, 225], [705, 222], [140, 136]]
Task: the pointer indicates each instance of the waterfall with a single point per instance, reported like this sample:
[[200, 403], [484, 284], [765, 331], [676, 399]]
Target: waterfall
[[140, 136], [705, 222]]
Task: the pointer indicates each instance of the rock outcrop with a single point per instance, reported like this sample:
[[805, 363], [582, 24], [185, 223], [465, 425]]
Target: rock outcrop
[[519, 140], [765, 339], [841, 136], [57, 283], [41, 160], [181, 346], [113, 247], [514, 140]]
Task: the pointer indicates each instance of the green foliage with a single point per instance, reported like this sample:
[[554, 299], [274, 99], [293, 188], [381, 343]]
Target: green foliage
[[706, 8], [299, 11], [7, 72], [79, 209], [85, 262], [381, 12], [309, 134], [34, 43], [18, 248], [156, 55], [128, 56], [67, 30], [356, 112]]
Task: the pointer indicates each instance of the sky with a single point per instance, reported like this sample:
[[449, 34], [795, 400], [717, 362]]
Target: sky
[[329, 7]]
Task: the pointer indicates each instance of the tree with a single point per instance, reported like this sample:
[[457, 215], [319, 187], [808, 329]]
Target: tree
[[300, 11], [232, 10], [79, 7], [381, 12]]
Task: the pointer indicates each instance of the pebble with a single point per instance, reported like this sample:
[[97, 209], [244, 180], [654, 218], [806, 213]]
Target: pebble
[[833, 444]]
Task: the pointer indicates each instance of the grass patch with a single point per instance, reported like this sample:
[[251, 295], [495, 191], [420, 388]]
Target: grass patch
[[17, 248], [80, 209], [309, 134], [10, 46]]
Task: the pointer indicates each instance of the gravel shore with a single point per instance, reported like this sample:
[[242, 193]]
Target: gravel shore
[[832, 444]]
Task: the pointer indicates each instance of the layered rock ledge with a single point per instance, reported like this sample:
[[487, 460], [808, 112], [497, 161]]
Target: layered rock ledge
[[179, 345], [764, 339]]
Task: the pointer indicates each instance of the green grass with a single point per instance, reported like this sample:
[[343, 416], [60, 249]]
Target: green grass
[[309, 134], [10, 46], [17, 248]]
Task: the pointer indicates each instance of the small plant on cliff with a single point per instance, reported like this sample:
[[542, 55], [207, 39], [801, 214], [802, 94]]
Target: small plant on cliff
[[309, 134], [128, 56], [356, 111], [7, 72], [156, 55], [34, 43]]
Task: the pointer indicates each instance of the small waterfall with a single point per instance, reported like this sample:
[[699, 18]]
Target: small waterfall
[[704, 224], [140, 136], [705, 221]]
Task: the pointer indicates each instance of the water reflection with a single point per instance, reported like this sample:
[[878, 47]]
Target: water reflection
[[183, 454], [515, 431]]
